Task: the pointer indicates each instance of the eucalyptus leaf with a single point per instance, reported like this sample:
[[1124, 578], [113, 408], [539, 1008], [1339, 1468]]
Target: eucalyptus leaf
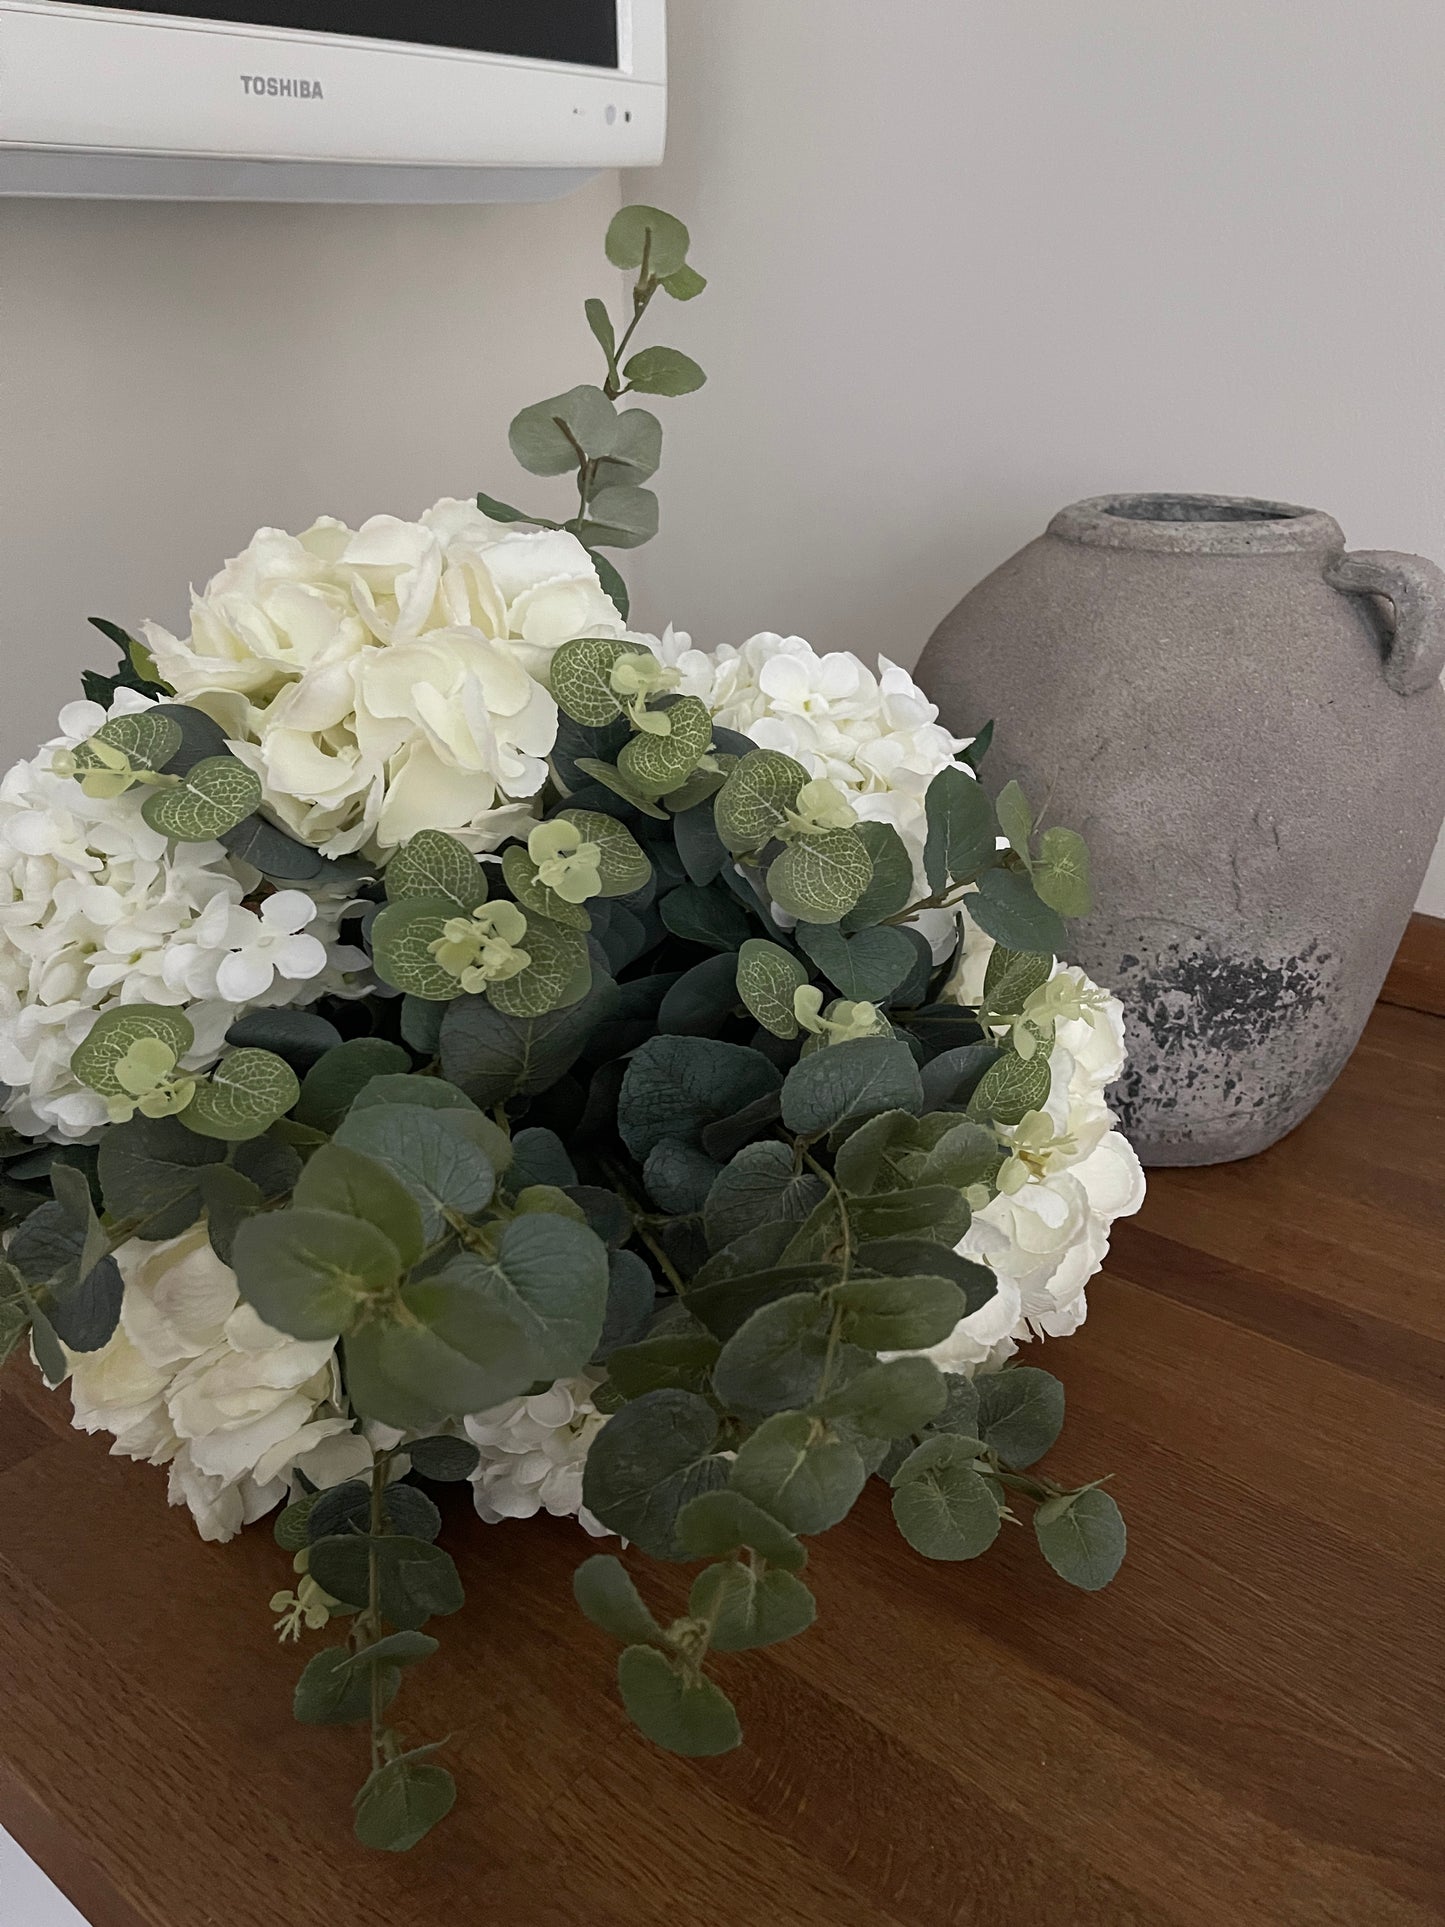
[[555, 436], [243, 1096], [853, 1079], [433, 864], [867, 967], [647, 1462], [441, 1171], [820, 878], [1020, 1414], [687, 1716], [753, 804], [603, 1588], [308, 1272], [401, 1802], [1083, 1540], [960, 841], [215, 796], [645, 238], [944, 1507], [795, 1469], [331, 1085], [1007, 907], [663, 371], [748, 1608], [717, 1522]]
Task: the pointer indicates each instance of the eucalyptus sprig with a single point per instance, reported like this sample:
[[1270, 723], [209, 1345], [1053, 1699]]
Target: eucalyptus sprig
[[613, 454]]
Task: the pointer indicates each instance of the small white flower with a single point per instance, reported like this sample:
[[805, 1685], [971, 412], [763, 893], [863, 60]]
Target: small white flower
[[262, 948]]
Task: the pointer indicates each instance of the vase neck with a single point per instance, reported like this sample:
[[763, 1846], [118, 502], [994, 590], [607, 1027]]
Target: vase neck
[[1197, 525]]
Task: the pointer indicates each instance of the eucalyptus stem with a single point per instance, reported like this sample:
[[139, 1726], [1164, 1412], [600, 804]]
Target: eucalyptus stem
[[373, 1603]]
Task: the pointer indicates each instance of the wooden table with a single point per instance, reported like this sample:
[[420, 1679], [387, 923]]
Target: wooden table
[[1246, 1728]]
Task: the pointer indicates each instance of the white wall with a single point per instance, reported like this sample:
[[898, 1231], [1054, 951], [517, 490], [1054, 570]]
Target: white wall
[[173, 377], [973, 259]]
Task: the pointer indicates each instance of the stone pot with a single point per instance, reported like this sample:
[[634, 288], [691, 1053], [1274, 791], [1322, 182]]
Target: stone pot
[[1247, 725]]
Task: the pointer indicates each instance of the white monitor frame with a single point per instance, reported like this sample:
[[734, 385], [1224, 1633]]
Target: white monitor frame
[[103, 102]]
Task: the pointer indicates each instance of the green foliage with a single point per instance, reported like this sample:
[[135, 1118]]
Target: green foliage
[[213, 797], [676, 1093]]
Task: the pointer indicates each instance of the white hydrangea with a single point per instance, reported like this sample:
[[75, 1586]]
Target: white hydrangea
[[194, 1380], [533, 1451], [877, 736], [390, 679], [96, 908], [1048, 1239]]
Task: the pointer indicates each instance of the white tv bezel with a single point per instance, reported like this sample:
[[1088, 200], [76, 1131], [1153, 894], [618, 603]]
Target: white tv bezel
[[118, 103]]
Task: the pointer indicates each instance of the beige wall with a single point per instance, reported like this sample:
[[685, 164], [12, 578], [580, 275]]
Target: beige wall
[[173, 377], [975, 258]]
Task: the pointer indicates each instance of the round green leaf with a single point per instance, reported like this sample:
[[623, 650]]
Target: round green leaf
[[214, 797], [690, 1717], [332, 1692], [748, 1608], [960, 839], [440, 1169], [1084, 1540], [463, 1352], [555, 436], [580, 675], [890, 888], [1020, 1413], [866, 968], [331, 1085], [820, 878], [767, 976], [148, 739], [338, 1179], [309, 1272], [899, 1314], [663, 371], [892, 1399], [603, 1588], [1012, 977], [1061, 873], [620, 516], [658, 764], [402, 1802], [401, 939], [645, 238], [622, 863], [114, 1031], [1012, 1087], [754, 802], [244, 1095], [718, 1522], [647, 1462], [636, 448], [433, 864], [945, 1509], [794, 1468], [859, 1078], [558, 975]]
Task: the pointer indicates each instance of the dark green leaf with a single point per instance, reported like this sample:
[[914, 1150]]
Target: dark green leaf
[[441, 1171], [603, 1588], [1082, 1538], [331, 1692], [718, 1522], [309, 1272], [960, 829], [759, 1185], [446, 1461], [663, 371], [748, 1608], [647, 1462], [334, 1080], [853, 1079], [899, 1314], [402, 1801], [1007, 907], [493, 1057], [866, 968], [1020, 1413], [675, 1086], [690, 1717], [945, 1509], [794, 1468]]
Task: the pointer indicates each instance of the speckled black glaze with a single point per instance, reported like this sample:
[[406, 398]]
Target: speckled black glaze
[[1247, 725]]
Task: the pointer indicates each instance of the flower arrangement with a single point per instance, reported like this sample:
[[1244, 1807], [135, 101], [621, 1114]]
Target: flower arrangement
[[449, 1035]]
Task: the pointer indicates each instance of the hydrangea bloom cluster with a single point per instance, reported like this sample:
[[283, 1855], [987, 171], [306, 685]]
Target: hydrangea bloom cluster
[[98, 909], [390, 679], [192, 1379], [533, 1453]]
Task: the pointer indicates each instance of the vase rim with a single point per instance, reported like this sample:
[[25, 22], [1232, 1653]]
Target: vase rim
[[1183, 523]]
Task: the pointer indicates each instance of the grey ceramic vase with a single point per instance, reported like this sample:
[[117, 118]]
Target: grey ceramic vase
[[1247, 724]]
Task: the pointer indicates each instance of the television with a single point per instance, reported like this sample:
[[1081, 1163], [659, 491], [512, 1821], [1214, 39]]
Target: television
[[328, 100]]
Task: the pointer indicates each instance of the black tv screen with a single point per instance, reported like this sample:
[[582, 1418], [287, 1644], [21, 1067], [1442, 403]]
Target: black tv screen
[[581, 32]]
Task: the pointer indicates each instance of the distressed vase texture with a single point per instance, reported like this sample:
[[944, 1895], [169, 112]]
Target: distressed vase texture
[[1247, 725]]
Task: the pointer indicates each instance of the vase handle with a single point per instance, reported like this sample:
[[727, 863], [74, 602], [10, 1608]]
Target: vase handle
[[1416, 588]]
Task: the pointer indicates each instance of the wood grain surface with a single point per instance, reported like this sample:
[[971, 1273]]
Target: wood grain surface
[[1246, 1728], [1417, 976]]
